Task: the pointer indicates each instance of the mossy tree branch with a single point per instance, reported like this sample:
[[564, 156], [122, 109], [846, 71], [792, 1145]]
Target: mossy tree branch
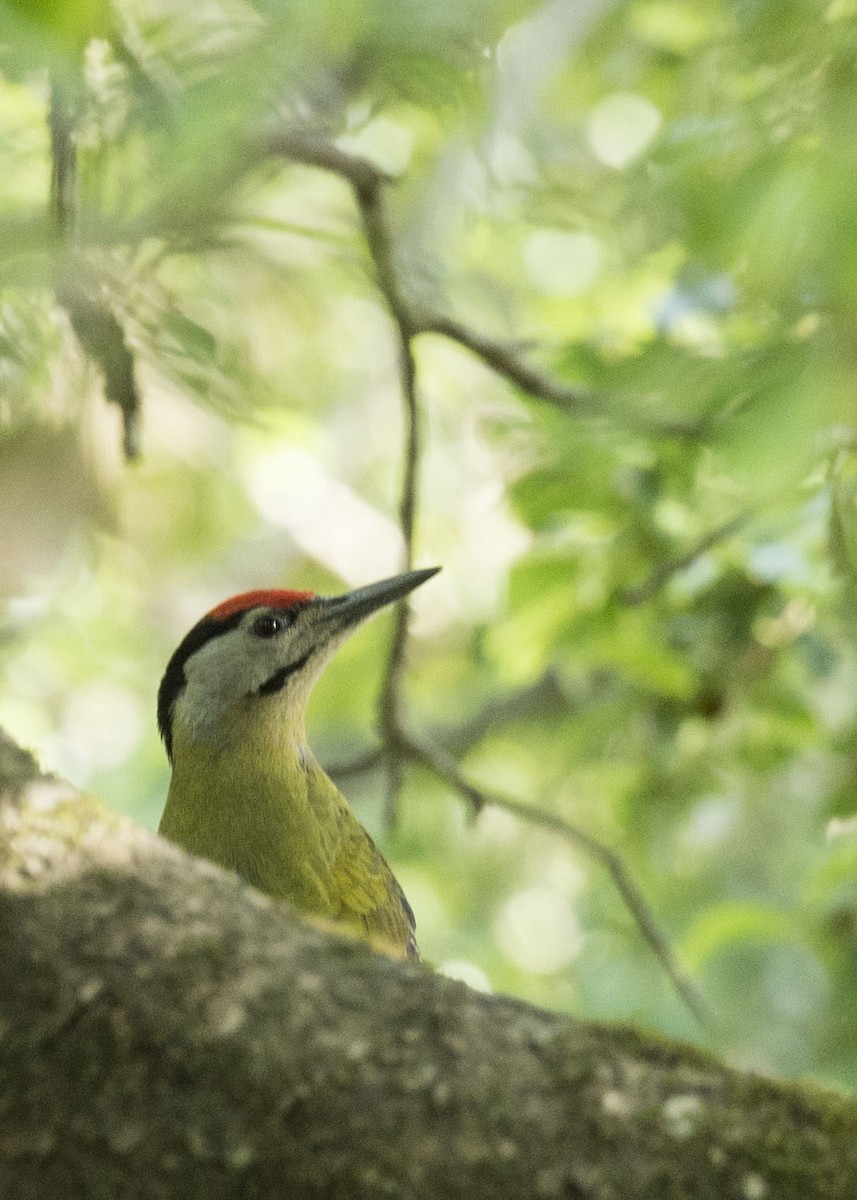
[[167, 1031]]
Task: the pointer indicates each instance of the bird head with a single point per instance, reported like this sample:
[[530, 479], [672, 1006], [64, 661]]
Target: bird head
[[262, 648]]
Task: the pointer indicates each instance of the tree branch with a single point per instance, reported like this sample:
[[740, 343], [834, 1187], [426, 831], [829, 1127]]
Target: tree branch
[[368, 184], [167, 1031], [369, 760], [306, 146], [61, 118], [544, 696], [507, 361], [444, 767], [404, 747], [370, 201]]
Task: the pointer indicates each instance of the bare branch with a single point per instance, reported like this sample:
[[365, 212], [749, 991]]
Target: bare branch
[[307, 147], [507, 361], [369, 184], [369, 194], [437, 761], [542, 697], [63, 156], [359, 765]]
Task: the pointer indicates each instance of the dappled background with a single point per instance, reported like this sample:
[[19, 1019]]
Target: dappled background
[[617, 247]]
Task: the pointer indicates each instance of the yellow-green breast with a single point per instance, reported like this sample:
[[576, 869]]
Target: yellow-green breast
[[260, 804]]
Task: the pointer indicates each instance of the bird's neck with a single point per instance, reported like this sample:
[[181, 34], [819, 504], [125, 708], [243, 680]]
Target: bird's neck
[[248, 800], [271, 735]]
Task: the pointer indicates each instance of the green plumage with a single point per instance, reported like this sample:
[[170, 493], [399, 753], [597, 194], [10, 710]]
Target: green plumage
[[258, 803], [246, 791]]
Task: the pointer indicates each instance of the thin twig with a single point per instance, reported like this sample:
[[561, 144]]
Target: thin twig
[[662, 573], [543, 697], [368, 184], [437, 761], [63, 157], [369, 194], [368, 761], [307, 147], [505, 360]]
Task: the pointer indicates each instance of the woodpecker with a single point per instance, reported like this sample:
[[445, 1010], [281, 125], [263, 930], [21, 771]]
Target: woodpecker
[[246, 791]]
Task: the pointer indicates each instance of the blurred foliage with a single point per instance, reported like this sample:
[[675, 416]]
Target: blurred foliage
[[645, 620]]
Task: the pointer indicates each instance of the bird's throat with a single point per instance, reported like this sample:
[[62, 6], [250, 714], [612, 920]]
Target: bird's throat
[[248, 803]]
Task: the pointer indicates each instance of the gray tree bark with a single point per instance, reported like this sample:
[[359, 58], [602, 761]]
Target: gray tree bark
[[167, 1032]]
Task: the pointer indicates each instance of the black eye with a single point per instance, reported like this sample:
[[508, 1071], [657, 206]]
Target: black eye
[[269, 626]]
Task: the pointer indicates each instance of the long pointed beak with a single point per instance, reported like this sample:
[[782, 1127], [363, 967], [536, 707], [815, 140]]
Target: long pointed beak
[[343, 611]]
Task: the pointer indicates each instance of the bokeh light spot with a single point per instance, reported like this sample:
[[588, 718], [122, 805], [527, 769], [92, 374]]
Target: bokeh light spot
[[538, 931], [620, 128], [563, 264]]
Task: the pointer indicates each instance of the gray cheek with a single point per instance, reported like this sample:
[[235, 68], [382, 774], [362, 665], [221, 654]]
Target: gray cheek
[[203, 704]]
